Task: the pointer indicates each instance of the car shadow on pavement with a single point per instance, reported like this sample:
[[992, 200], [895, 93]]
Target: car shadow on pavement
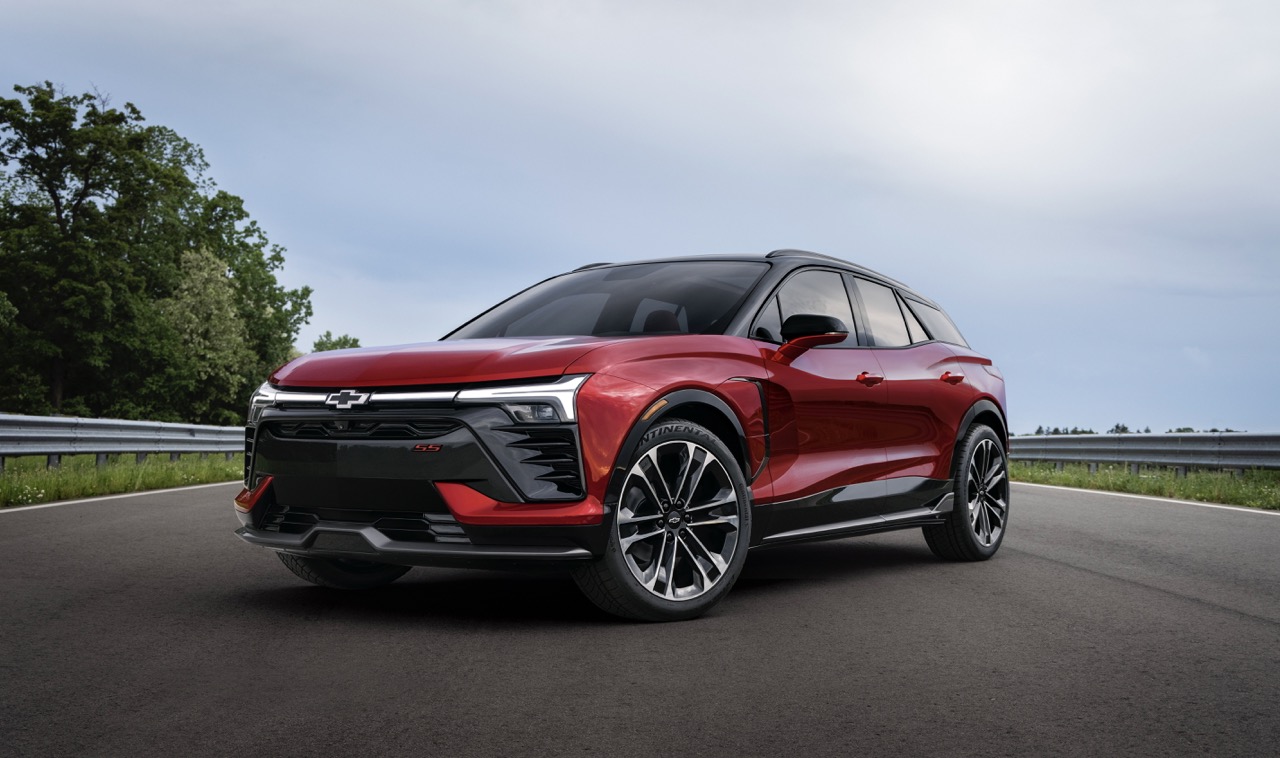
[[842, 561], [453, 596]]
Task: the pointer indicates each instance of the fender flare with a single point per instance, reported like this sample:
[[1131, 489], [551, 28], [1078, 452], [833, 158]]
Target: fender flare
[[982, 406], [673, 402]]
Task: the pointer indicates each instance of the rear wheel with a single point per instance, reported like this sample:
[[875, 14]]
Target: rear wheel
[[977, 522], [342, 573], [680, 532]]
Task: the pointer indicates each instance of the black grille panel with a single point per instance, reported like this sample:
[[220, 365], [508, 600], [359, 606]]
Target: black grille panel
[[552, 454], [420, 429], [397, 525]]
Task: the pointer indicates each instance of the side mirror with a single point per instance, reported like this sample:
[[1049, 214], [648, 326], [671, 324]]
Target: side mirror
[[806, 330]]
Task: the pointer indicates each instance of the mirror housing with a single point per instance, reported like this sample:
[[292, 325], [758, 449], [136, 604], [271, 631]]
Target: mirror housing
[[804, 331]]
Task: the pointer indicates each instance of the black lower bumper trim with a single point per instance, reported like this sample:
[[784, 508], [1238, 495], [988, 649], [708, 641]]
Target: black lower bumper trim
[[367, 543]]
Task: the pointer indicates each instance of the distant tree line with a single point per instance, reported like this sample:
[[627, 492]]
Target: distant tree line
[[1120, 429], [130, 285]]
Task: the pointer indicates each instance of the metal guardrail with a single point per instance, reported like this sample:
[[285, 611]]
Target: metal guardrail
[[55, 436], [1221, 450]]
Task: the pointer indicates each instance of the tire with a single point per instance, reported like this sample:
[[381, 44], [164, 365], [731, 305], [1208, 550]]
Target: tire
[[341, 573], [979, 517], [680, 530]]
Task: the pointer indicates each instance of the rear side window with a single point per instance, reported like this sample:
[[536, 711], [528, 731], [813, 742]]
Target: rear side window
[[884, 318], [914, 328], [937, 323], [819, 293]]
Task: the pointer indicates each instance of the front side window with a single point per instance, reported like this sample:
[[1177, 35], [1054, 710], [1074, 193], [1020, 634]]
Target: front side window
[[818, 293], [680, 297]]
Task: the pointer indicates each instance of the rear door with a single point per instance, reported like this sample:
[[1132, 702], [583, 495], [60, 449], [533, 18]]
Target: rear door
[[926, 398]]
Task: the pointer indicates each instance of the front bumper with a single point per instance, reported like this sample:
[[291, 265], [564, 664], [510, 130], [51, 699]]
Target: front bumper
[[333, 540], [422, 486]]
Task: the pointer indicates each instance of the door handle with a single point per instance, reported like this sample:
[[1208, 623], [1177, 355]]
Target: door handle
[[870, 380], [951, 378]]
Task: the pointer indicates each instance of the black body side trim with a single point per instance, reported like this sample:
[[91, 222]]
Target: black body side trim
[[874, 506]]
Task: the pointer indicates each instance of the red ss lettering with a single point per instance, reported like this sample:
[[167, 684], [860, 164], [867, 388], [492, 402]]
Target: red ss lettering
[[426, 448]]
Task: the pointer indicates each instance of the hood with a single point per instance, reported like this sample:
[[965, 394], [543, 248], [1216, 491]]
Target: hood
[[448, 362]]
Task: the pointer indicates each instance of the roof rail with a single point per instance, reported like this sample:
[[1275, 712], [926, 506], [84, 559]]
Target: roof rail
[[593, 265], [803, 254]]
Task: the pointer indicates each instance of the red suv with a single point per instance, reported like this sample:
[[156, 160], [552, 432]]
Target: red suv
[[642, 423]]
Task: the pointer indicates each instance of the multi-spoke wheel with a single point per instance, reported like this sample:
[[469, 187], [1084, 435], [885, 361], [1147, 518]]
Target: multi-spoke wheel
[[681, 529], [980, 512]]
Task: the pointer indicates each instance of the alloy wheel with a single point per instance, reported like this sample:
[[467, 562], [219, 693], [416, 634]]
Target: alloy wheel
[[988, 491], [678, 521]]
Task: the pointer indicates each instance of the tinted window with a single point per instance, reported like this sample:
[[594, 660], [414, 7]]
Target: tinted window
[[937, 323], [769, 323], [884, 319], [914, 329], [656, 316], [819, 293], [699, 297]]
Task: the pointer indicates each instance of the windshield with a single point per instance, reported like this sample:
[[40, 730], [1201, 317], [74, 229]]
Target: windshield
[[680, 297]]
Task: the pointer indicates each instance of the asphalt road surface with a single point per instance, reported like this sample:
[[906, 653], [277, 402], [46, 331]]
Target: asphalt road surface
[[1105, 626]]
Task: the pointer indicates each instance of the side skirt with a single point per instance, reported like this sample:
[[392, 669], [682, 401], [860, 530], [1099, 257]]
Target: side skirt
[[911, 503]]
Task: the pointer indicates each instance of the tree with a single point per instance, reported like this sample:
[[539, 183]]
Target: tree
[[111, 242], [1119, 429], [327, 341]]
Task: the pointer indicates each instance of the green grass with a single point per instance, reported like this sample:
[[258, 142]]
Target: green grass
[[26, 481], [1256, 488]]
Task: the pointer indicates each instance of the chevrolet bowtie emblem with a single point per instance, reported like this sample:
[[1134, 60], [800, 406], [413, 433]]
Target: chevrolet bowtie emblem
[[347, 399]]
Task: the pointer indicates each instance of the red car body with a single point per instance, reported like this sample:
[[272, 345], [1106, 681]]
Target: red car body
[[832, 440]]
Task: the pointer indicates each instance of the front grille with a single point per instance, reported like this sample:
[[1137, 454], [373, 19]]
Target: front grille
[[397, 525], [552, 455], [420, 429]]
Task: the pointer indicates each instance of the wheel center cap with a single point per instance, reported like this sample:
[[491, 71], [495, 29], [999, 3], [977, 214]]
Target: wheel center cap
[[674, 519]]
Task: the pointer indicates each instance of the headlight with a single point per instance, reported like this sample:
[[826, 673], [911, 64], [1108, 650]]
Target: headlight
[[264, 397], [531, 403]]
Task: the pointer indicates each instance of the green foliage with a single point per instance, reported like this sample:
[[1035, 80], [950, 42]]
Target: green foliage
[[133, 287], [26, 481], [1255, 488], [327, 341]]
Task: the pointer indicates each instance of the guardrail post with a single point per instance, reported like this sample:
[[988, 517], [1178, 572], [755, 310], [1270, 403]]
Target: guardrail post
[[1058, 465], [1179, 472], [174, 457], [204, 456], [100, 460], [1, 464], [1135, 469], [1093, 468], [54, 461], [140, 458], [229, 455]]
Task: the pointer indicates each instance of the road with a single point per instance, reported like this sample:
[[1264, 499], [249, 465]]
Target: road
[[1105, 626]]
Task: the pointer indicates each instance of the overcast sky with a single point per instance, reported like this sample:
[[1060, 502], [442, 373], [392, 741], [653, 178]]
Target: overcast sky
[[1092, 189]]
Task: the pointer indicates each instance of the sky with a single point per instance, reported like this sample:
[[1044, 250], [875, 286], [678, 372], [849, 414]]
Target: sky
[[1091, 189]]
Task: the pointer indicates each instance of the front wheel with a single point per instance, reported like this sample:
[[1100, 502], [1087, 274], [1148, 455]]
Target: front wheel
[[980, 515], [342, 573], [680, 529]]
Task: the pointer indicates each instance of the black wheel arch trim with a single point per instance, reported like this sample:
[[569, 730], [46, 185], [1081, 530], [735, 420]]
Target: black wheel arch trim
[[674, 401], [977, 409]]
